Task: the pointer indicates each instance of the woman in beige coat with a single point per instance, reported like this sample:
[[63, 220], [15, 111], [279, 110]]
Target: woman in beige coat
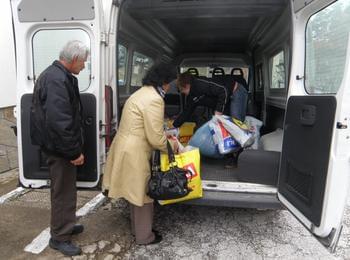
[[140, 131]]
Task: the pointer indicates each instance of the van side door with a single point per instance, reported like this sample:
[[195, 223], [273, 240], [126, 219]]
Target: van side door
[[314, 173]]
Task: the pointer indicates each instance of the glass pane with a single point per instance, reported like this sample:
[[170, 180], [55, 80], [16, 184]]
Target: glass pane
[[140, 65], [122, 58], [327, 36], [278, 74], [47, 45]]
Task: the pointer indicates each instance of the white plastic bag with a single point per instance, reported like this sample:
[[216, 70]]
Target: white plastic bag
[[222, 138], [243, 136], [254, 126]]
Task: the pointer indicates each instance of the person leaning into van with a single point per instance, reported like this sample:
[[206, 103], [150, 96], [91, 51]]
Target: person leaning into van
[[55, 125], [140, 131], [224, 96]]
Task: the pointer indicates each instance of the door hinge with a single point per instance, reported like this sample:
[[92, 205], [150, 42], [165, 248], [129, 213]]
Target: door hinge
[[104, 38], [341, 125]]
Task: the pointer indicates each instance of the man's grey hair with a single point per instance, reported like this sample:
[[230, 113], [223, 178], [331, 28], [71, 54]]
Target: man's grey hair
[[74, 49]]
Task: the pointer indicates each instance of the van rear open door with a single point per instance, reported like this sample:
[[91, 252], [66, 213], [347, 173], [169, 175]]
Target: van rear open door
[[314, 169], [42, 27]]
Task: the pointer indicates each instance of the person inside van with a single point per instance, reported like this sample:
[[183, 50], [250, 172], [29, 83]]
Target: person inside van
[[224, 96], [140, 131]]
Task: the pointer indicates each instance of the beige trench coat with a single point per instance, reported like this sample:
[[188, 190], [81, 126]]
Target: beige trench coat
[[140, 131]]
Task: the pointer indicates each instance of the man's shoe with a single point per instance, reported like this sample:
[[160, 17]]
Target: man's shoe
[[77, 229], [230, 163], [65, 247]]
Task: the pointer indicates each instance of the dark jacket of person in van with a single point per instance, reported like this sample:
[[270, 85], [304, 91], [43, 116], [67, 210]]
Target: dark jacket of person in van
[[55, 118], [214, 94]]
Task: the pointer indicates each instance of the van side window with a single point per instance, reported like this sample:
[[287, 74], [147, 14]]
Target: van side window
[[327, 39], [278, 72], [140, 65], [47, 45], [122, 63]]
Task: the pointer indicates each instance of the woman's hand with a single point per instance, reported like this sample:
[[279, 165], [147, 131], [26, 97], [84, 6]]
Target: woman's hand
[[174, 144], [217, 113]]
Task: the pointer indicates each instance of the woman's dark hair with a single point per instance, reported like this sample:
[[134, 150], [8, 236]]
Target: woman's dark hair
[[159, 74]]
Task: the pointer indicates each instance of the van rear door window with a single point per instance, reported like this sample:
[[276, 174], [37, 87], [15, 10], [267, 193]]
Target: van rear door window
[[327, 36], [47, 45]]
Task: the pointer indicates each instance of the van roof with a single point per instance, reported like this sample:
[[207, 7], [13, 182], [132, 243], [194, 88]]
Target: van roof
[[205, 26]]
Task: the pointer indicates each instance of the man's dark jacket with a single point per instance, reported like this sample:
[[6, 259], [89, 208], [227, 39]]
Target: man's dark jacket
[[55, 116], [211, 93]]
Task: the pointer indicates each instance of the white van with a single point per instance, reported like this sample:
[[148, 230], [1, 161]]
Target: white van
[[293, 55]]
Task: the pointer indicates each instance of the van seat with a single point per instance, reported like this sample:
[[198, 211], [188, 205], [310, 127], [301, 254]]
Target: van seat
[[239, 77], [258, 166], [193, 71]]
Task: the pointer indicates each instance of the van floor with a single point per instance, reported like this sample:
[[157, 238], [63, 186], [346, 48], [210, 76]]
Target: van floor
[[214, 170]]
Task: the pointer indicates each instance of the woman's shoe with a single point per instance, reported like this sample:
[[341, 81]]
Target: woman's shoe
[[156, 240], [156, 232]]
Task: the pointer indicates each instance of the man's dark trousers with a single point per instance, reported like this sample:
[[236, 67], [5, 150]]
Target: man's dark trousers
[[63, 176]]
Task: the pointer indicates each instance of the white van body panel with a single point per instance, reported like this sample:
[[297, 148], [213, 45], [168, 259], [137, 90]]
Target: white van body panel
[[7, 56], [338, 181], [24, 32]]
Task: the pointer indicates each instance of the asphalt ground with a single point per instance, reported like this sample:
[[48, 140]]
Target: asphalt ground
[[189, 232]]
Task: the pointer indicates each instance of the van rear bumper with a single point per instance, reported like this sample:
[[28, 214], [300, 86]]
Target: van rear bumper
[[237, 200], [238, 195]]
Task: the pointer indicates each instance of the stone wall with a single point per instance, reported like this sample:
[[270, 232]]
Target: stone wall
[[8, 141]]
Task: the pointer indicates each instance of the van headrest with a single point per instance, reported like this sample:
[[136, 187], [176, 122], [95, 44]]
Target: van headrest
[[218, 72], [193, 71], [239, 77]]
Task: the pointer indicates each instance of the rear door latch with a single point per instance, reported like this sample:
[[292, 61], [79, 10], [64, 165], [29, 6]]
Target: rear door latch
[[341, 125]]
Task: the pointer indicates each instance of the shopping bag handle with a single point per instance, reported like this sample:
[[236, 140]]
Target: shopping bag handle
[[171, 155], [155, 161]]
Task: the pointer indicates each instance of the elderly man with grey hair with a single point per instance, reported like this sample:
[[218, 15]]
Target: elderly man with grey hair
[[56, 126]]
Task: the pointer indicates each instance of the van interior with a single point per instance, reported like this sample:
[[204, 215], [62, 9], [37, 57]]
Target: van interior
[[249, 40]]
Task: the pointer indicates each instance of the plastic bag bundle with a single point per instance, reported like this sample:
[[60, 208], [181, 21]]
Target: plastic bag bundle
[[203, 139], [254, 126], [222, 138], [238, 130]]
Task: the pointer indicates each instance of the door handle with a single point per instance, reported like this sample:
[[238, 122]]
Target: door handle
[[308, 115]]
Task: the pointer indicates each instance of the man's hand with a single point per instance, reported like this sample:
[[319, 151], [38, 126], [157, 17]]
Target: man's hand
[[217, 113], [78, 161]]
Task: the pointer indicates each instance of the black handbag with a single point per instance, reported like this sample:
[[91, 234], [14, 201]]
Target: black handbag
[[171, 184]]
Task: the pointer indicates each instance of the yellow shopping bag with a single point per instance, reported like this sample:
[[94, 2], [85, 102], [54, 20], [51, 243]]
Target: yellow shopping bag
[[189, 160]]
